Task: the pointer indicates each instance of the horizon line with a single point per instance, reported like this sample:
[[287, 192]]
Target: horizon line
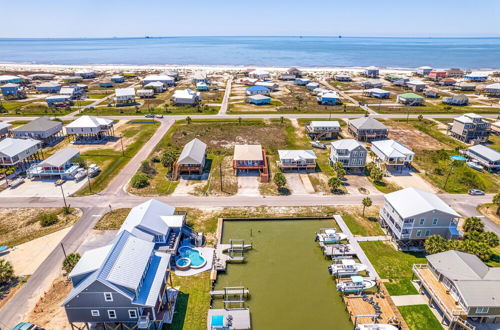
[[339, 36]]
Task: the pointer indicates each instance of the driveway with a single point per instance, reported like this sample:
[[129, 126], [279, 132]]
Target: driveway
[[354, 182], [43, 188], [187, 187], [407, 179], [294, 184], [248, 184]]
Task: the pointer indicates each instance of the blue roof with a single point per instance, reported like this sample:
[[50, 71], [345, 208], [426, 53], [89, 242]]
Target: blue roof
[[258, 88]]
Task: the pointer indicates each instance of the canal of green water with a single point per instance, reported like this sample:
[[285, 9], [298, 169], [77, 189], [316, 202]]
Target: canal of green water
[[286, 274]]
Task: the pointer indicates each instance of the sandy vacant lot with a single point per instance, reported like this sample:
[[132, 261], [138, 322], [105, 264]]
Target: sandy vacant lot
[[412, 137]]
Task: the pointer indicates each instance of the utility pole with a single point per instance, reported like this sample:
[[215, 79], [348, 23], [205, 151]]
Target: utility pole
[[121, 141], [220, 177], [64, 198]]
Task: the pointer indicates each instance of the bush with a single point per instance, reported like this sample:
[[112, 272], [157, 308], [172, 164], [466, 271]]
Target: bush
[[47, 219], [140, 180], [70, 262], [147, 168], [155, 159]]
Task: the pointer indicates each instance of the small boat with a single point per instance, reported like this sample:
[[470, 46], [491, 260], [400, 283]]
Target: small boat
[[317, 144], [80, 174], [375, 326], [16, 182], [4, 249], [93, 170], [474, 166], [329, 236], [346, 267], [356, 284]]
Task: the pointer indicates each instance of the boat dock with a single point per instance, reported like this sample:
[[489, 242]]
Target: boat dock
[[230, 292], [338, 250], [374, 308], [235, 318]]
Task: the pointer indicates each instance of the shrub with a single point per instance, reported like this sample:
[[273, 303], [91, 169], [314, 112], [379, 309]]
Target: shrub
[[147, 168], [47, 219], [6, 271], [70, 262], [155, 159], [140, 180]]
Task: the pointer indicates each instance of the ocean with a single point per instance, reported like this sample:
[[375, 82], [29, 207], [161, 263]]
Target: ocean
[[468, 53]]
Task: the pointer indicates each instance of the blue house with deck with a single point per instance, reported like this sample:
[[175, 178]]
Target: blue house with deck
[[259, 99], [12, 91], [49, 87], [258, 90]]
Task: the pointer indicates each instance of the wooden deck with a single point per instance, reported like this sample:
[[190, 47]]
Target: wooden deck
[[361, 310], [438, 292]]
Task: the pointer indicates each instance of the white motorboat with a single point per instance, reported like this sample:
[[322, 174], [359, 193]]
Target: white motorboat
[[80, 174], [475, 166], [93, 170], [375, 326], [355, 284], [16, 182], [346, 267], [318, 144], [330, 236]]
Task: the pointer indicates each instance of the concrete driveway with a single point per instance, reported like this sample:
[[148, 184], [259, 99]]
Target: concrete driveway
[[43, 188], [354, 182], [248, 184], [187, 187], [296, 184], [407, 179]]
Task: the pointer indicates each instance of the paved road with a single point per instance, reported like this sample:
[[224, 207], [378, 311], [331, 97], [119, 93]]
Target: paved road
[[350, 98], [42, 278], [225, 99]]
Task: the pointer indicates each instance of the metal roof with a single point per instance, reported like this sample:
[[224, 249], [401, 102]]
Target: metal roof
[[486, 152], [91, 261], [193, 152], [493, 86], [125, 91], [324, 123], [296, 154], [60, 158], [258, 97], [248, 152], [257, 88], [148, 216], [4, 125], [89, 121], [410, 96], [11, 147], [41, 124], [153, 279], [391, 148], [411, 202], [348, 144], [367, 123], [377, 90]]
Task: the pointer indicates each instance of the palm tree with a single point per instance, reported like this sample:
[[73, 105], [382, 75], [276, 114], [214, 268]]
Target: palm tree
[[367, 202], [6, 271], [70, 262], [473, 224], [376, 174], [435, 244], [299, 100], [168, 159], [496, 201], [188, 120], [334, 183]]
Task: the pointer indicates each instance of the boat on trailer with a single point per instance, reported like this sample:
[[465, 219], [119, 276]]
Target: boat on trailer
[[355, 284], [375, 326], [330, 236], [346, 267]]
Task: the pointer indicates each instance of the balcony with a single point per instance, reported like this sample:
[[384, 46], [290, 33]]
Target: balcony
[[438, 292]]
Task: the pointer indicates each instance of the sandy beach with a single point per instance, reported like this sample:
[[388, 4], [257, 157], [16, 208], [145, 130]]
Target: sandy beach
[[109, 69]]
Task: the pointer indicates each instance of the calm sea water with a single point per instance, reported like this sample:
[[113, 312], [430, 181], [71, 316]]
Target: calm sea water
[[263, 51]]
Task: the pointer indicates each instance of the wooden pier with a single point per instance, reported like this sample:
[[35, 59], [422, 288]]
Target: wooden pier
[[362, 310], [338, 250], [230, 292]]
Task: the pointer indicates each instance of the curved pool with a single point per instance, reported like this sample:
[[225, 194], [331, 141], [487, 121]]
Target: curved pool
[[193, 255], [183, 263]]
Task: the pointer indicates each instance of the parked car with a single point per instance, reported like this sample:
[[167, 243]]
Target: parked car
[[476, 192], [149, 115], [159, 116], [80, 174], [27, 326], [93, 170]]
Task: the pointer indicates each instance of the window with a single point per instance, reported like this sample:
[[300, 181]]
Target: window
[[95, 312], [434, 222], [108, 296], [427, 233], [419, 233], [111, 313], [482, 310], [422, 221], [132, 313]]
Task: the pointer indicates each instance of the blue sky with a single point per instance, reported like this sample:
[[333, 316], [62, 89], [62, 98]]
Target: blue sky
[[126, 18]]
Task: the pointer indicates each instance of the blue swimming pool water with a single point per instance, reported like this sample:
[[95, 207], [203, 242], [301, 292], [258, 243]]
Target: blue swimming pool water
[[183, 262], [217, 320], [192, 254]]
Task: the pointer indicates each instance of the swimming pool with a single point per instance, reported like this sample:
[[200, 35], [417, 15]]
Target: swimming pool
[[192, 254]]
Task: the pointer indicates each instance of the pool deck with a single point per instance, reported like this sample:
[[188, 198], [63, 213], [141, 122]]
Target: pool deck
[[208, 254], [240, 317]]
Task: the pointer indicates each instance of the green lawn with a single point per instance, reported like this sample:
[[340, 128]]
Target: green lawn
[[419, 317], [27, 108], [362, 226], [435, 109], [192, 303], [132, 110], [394, 265], [112, 161]]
